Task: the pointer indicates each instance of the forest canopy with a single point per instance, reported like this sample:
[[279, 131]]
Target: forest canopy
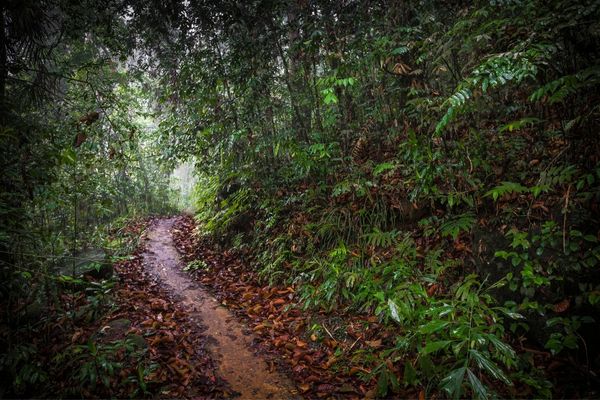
[[431, 167]]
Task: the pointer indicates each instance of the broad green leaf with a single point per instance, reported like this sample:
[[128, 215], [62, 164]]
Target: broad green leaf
[[393, 310], [410, 374], [432, 347], [502, 347], [433, 326], [452, 383], [479, 389]]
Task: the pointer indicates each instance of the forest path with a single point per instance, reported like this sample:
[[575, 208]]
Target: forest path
[[245, 372]]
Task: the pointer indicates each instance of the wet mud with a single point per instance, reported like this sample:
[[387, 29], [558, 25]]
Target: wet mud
[[246, 372]]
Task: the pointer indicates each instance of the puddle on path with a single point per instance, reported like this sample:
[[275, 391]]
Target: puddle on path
[[245, 372]]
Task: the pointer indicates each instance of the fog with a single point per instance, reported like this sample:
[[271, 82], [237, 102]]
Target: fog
[[183, 181]]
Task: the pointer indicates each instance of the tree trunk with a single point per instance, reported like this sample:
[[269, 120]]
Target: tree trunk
[[301, 118], [3, 62]]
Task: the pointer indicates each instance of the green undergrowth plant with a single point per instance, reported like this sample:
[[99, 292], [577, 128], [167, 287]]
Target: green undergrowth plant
[[20, 361], [99, 364], [61, 294], [274, 260], [375, 162], [562, 261], [196, 265], [204, 195], [458, 339], [224, 204]]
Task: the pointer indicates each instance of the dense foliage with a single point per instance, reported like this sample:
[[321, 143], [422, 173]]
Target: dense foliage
[[77, 156], [434, 164]]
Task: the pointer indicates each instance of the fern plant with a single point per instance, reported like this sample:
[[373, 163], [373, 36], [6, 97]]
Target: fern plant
[[455, 226], [516, 65], [559, 89], [378, 238], [505, 188]]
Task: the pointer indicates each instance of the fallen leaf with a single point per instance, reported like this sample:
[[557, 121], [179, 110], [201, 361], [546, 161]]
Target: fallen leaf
[[431, 290], [346, 388], [278, 302], [79, 139], [305, 387], [76, 336], [562, 306], [325, 388], [330, 361], [374, 343]]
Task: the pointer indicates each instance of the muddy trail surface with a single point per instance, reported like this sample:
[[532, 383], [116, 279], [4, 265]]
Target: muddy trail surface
[[246, 373]]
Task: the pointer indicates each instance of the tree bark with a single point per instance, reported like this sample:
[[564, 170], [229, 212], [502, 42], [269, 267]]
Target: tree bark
[[301, 120], [3, 62]]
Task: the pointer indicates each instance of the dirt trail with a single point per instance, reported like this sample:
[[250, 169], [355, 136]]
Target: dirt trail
[[244, 371]]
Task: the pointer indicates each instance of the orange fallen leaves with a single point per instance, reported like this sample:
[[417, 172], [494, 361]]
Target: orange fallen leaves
[[279, 325]]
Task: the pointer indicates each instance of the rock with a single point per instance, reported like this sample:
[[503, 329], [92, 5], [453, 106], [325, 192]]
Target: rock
[[138, 341], [113, 330], [120, 324]]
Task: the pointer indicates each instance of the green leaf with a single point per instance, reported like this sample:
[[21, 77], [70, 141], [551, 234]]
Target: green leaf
[[410, 374], [394, 310], [432, 347], [446, 119], [591, 238], [68, 156], [487, 365], [426, 366], [433, 326], [501, 254], [511, 314], [380, 168], [462, 223], [452, 383], [479, 389], [505, 188], [519, 124], [502, 347], [330, 98], [399, 50]]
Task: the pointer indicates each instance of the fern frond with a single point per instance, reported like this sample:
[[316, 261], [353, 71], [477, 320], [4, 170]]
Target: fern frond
[[455, 226], [559, 89], [505, 188], [378, 238]]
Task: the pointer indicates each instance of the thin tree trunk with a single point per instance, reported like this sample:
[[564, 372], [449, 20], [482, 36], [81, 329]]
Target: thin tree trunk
[[3, 62], [297, 120]]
